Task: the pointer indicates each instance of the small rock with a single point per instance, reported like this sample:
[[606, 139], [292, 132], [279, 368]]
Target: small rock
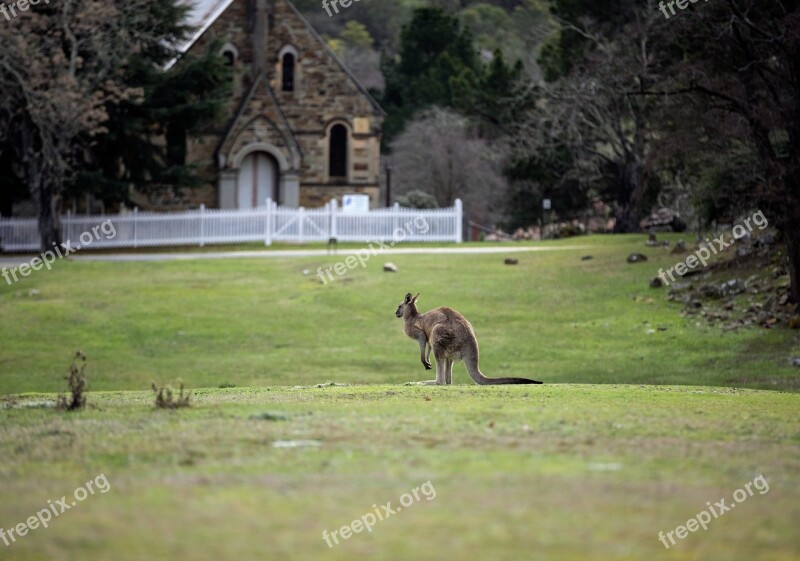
[[306, 272], [656, 283], [795, 361], [636, 258], [732, 287], [390, 267], [680, 247], [33, 292], [710, 291], [511, 261], [652, 241], [587, 257], [765, 240]]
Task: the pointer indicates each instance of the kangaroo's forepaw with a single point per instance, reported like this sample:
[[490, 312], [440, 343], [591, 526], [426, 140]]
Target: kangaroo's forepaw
[[426, 364]]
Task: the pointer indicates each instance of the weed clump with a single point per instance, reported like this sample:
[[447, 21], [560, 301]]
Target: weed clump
[[166, 399], [77, 385]]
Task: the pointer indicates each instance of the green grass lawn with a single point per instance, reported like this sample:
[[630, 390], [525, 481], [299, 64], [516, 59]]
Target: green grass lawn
[[641, 422], [259, 322], [555, 472]]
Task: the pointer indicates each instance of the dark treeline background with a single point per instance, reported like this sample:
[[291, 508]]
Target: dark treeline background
[[601, 107]]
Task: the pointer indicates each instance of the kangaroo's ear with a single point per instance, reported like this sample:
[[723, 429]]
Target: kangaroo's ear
[[414, 299], [408, 298]]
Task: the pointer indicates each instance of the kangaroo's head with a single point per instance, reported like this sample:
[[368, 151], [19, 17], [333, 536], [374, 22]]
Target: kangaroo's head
[[408, 306]]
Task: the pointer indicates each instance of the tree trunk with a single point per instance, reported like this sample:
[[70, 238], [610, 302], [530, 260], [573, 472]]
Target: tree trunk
[[47, 217], [629, 212], [793, 246], [42, 190]]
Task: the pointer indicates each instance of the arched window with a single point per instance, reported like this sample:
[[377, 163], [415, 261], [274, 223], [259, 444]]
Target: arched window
[[338, 152], [229, 54], [288, 72]]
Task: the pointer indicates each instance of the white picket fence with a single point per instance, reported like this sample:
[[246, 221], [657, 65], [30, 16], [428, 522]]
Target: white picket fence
[[267, 224]]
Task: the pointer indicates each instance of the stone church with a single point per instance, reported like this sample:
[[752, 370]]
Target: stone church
[[299, 128]]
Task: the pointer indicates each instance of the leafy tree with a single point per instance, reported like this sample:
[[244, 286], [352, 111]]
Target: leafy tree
[[437, 65], [144, 145]]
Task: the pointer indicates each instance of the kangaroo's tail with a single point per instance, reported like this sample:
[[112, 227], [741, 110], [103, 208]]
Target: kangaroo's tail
[[476, 374]]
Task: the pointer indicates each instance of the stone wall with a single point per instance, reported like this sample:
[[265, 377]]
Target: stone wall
[[297, 123]]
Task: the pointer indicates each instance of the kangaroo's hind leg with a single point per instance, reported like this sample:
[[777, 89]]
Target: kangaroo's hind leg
[[448, 371]]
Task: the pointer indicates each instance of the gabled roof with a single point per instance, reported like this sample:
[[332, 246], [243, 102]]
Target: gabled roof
[[201, 16], [205, 12]]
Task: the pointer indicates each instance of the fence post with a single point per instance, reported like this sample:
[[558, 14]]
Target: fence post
[[135, 227], [395, 219], [202, 226], [334, 206], [301, 218], [65, 229], [268, 223], [459, 210]]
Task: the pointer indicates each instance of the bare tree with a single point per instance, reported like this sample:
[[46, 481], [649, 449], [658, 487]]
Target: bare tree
[[60, 65], [440, 153], [595, 114]]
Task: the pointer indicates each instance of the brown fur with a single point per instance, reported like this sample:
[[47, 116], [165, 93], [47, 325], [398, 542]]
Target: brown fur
[[451, 338]]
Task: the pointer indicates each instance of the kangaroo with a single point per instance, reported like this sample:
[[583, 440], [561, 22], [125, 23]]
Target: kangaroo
[[451, 338]]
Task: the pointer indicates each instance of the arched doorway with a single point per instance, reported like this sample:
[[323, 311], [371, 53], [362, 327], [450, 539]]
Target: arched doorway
[[258, 179]]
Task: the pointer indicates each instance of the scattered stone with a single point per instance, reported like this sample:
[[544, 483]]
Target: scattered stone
[[663, 220], [656, 283], [587, 257], [652, 241], [732, 287], [697, 304], [636, 258], [795, 361], [764, 241], [390, 267], [33, 292], [710, 291], [511, 261], [680, 247], [306, 272]]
